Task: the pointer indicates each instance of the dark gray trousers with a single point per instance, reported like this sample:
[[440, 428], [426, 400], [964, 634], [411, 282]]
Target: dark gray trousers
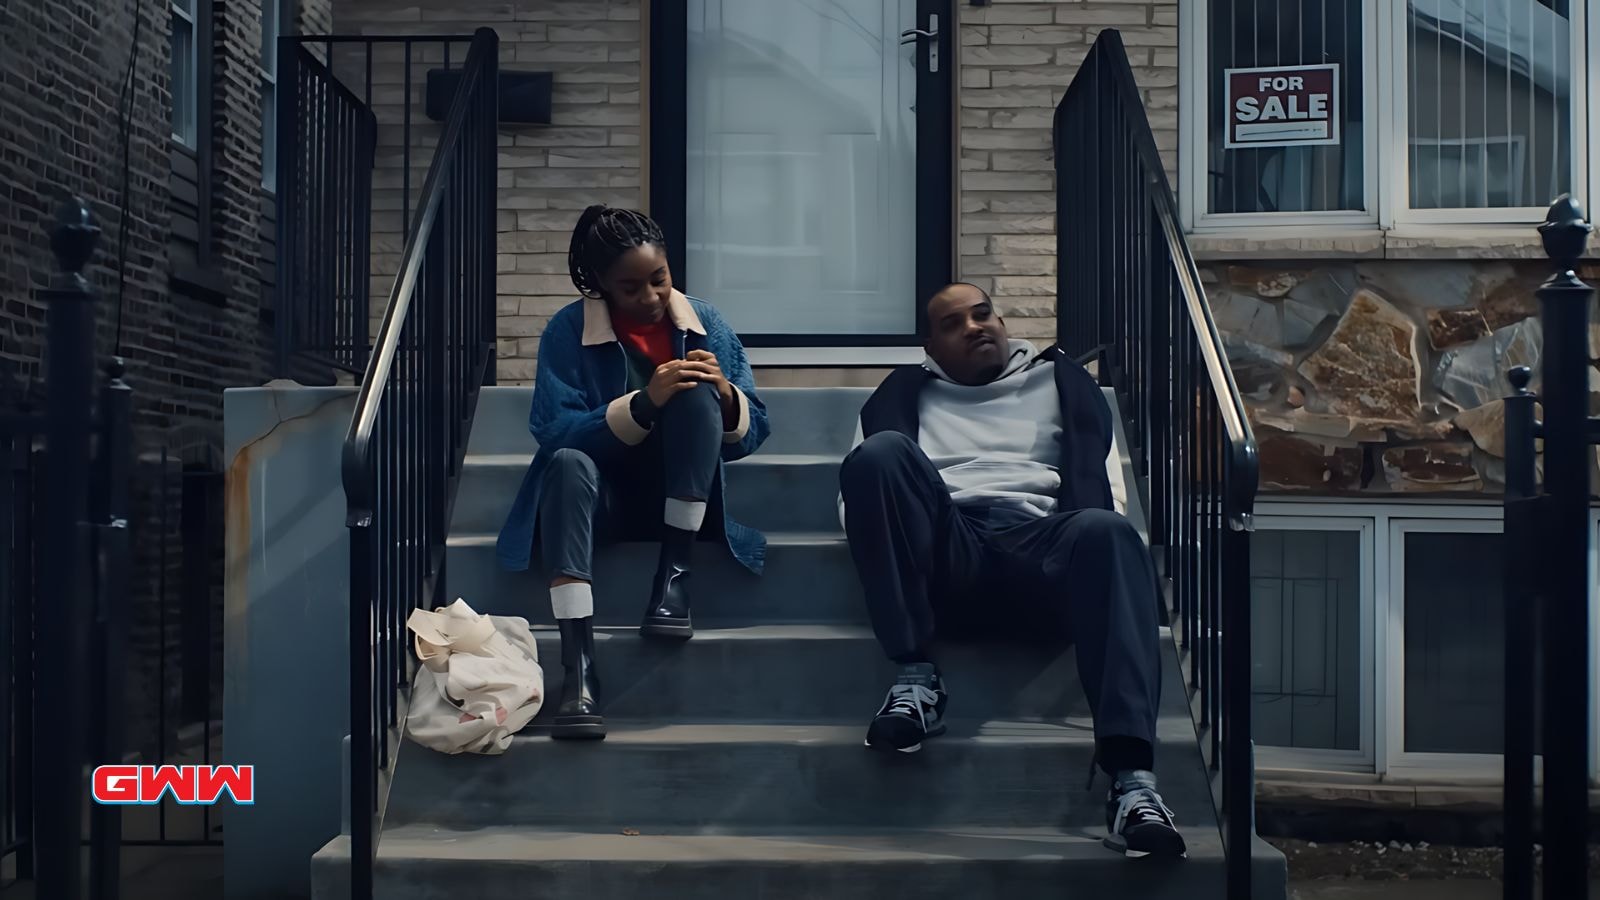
[[928, 565], [581, 502]]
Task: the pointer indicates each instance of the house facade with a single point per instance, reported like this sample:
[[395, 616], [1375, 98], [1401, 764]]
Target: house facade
[[818, 169], [151, 115]]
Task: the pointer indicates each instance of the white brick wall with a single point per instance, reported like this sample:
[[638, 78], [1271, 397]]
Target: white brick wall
[[1016, 61], [589, 153]]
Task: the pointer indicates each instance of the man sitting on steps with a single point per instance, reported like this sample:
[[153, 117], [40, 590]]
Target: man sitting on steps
[[983, 491]]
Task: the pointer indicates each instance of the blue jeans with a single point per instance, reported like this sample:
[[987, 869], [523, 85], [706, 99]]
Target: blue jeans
[[581, 502]]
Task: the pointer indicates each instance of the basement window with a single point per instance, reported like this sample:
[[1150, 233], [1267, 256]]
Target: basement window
[[1377, 634]]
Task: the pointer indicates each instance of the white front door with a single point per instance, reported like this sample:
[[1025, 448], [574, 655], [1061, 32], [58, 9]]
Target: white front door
[[801, 183]]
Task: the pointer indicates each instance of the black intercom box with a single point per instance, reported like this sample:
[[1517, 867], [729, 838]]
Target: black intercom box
[[524, 96]]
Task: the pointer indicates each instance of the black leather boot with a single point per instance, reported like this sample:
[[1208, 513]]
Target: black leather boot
[[578, 716], [667, 616]]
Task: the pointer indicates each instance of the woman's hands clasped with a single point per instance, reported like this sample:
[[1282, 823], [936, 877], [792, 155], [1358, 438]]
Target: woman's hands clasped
[[677, 375]]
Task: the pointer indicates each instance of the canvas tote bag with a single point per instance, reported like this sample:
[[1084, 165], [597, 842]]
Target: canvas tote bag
[[479, 682]]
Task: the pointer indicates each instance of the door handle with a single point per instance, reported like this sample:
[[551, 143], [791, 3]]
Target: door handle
[[911, 35]]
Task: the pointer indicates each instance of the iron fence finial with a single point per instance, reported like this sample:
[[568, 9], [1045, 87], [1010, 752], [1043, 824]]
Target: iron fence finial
[[1520, 377], [73, 236], [1565, 232]]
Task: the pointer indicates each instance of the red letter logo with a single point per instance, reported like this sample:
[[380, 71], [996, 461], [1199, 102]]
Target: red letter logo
[[238, 781], [155, 782], [187, 784], [116, 784]]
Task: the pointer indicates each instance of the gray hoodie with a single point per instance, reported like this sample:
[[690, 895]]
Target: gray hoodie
[[995, 444]]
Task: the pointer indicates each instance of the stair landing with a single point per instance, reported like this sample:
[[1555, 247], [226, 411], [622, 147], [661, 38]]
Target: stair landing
[[734, 765]]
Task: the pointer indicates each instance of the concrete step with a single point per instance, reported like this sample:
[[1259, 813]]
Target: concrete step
[[768, 770], [727, 674], [809, 577], [768, 491], [804, 420], [773, 776], [954, 863]]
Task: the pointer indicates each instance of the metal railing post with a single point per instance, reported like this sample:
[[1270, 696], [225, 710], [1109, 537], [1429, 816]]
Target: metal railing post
[[1522, 606], [111, 548], [1564, 536], [64, 621]]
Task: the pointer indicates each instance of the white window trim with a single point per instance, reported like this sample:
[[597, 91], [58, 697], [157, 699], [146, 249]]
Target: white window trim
[[193, 19], [1400, 760], [1360, 759], [1386, 187], [1384, 621]]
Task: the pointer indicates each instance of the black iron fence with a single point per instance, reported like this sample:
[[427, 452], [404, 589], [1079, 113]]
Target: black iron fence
[[21, 447], [1130, 302], [326, 139], [64, 544], [125, 637], [403, 453], [1547, 594], [358, 125]]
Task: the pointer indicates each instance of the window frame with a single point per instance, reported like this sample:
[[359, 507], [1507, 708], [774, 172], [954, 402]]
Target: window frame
[[267, 81], [1384, 618], [1400, 760], [1385, 137], [191, 17], [1397, 210], [1194, 143], [1360, 759]]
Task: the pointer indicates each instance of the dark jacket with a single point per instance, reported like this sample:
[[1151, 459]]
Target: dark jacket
[[1086, 426], [580, 400]]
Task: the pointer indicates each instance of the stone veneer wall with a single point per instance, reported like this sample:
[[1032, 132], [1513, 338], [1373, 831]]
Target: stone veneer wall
[[1017, 60], [1380, 377]]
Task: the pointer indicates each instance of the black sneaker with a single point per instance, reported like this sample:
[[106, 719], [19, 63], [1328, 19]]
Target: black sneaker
[[913, 710], [1138, 822]]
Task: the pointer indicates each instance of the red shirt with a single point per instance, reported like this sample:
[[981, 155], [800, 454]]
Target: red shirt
[[653, 342]]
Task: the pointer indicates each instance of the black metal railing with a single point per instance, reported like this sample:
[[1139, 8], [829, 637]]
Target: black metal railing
[[1130, 301], [354, 134], [326, 140], [403, 453], [1547, 593], [64, 544], [21, 446]]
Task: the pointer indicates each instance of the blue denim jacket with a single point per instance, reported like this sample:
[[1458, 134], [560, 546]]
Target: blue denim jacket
[[580, 401]]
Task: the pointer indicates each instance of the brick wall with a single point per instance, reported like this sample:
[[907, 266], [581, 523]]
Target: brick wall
[[589, 153], [1016, 62], [62, 65]]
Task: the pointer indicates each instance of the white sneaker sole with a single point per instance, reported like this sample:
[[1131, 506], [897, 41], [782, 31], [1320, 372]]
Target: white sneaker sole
[[887, 749]]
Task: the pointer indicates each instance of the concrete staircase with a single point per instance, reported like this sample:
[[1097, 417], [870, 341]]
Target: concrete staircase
[[734, 765]]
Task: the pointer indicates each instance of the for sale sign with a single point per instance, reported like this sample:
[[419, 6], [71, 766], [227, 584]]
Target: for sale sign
[[1283, 106]]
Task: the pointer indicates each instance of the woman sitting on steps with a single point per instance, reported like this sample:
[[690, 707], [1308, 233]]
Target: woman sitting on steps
[[641, 393]]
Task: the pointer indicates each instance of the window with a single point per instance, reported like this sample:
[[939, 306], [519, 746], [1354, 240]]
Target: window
[[1439, 111], [1244, 34], [1377, 638], [1487, 107], [1306, 591], [270, 10], [1452, 609], [185, 81]]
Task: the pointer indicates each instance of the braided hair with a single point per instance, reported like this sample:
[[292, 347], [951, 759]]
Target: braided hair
[[602, 236]]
